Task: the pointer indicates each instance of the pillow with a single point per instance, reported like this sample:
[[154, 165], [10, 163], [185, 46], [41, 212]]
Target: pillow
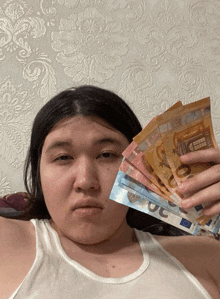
[[14, 205]]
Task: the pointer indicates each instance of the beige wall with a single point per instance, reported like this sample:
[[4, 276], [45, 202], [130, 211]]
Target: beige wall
[[152, 53]]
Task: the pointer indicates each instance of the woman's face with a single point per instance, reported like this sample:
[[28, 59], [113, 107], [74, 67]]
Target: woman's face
[[79, 162]]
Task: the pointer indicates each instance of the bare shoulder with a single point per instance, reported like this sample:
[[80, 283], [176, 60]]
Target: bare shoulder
[[17, 253], [12, 231], [17, 236], [190, 244], [199, 255], [187, 248]]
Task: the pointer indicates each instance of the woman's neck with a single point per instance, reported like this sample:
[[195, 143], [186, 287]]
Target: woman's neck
[[123, 237]]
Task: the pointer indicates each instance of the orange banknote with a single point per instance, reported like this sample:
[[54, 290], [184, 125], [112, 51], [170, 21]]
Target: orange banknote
[[155, 151]]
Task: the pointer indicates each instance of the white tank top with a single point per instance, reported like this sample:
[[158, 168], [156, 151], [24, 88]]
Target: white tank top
[[54, 275]]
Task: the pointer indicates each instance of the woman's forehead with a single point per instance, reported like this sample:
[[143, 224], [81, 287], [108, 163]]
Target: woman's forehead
[[85, 120], [80, 126]]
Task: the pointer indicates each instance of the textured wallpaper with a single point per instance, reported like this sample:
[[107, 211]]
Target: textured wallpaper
[[152, 53]]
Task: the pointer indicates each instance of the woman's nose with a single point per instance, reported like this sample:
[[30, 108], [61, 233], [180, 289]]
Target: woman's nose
[[86, 176]]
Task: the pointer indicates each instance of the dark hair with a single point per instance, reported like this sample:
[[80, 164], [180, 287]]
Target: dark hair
[[84, 100]]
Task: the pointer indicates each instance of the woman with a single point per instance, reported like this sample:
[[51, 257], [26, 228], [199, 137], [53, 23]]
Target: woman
[[83, 246]]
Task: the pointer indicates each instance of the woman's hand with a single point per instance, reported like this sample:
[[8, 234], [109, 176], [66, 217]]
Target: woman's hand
[[203, 188]]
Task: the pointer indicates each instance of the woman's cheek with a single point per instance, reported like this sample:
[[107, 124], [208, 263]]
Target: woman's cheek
[[111, 173]]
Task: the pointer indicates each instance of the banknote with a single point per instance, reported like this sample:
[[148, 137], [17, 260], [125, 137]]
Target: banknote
[[134, 172], [155, 141], [130, 193], [135, 156], [151, 168], [190, 130], [150, 142], [128, 182]]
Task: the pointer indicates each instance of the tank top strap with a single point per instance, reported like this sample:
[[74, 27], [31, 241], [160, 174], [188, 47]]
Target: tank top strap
[[46, 239]]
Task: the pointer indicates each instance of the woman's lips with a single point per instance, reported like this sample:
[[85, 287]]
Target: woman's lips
[[87, 211], [87, 207]]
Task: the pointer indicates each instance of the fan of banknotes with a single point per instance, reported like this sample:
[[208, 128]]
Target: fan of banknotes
[[151, 170]]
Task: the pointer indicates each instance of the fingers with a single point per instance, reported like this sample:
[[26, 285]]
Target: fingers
[[200, 181], [204, 187], [207, 195], [207, 155], [212, 209]]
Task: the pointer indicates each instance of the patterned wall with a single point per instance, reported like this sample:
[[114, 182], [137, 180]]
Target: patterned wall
[[151, 52]]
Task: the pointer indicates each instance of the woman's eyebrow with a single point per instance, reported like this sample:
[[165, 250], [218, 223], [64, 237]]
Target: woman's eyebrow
[[68, 144], [58, 144], [107, 140]]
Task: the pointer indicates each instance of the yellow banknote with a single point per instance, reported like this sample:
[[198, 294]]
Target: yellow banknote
[[190, 130], [150, 142]]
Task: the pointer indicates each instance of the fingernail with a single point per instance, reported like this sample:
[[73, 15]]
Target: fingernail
[[206, 212], [180, 187], [182, 158], [185, 204]]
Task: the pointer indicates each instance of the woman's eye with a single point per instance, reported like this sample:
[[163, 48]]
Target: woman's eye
[[63, 158], [108, 155]]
